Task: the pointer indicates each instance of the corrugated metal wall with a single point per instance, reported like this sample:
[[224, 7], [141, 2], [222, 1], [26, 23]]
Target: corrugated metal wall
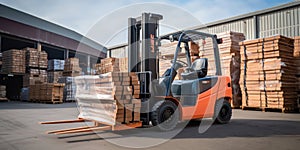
[[285, 22], [119, 52]]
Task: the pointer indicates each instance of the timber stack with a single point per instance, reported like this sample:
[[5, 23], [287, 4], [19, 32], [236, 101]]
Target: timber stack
[[268, 74], [230, 60], [297, 63]]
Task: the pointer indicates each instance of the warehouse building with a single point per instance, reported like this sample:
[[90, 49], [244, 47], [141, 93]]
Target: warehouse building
[[283, 19], [19, 30]]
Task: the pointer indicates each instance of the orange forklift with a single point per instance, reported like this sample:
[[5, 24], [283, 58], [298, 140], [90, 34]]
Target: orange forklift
[[165, 101]]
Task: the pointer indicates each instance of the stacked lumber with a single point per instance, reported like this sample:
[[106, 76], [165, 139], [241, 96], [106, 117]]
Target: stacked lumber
[[36, 58], [34, 76], [268, 74], [56, 65], [3, 93], [13, 61], [113, 95], [69, 89], [297, 63], [46, 93], [71, 67], [111, 65], [230, 60], [167, 51], [53, 76]]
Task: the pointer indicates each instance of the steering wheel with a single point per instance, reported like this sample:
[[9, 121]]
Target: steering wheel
[[180, 63]]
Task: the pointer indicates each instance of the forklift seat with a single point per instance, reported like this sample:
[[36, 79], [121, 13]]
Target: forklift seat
[[197, 70]]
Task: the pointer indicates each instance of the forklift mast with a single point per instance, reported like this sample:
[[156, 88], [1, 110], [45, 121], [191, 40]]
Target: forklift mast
[[143, 33]]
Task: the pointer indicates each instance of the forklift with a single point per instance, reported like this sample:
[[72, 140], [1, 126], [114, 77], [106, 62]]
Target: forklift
[[166, 101]]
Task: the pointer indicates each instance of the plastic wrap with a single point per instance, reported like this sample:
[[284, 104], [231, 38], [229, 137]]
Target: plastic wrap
[[69, 89], [56, 64], [95, 98]]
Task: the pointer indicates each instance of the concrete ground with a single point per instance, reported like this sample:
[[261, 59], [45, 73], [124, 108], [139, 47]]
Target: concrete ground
[[19, 129]]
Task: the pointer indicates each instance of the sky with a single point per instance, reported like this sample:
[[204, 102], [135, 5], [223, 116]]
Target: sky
[[105, 21]]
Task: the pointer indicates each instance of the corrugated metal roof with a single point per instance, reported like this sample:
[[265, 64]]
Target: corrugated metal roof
[[22, 17], [248, 15]]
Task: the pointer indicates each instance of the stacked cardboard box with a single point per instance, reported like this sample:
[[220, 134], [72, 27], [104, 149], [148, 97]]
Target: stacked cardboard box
[[71, 67], [297, 63], [3, 92], [46, 93], [13, 61], [34, 76], [268, 73], [112, 95]]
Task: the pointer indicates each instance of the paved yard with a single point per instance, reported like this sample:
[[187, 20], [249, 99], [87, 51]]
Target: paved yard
[[19, 129]]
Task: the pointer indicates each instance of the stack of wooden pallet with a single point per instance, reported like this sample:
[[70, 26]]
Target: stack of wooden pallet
[[114, 96], [111, 65], [13, 61], [55, 70], [46, 93], [268, 74], [297, 63], [53, 76], [71, 67], [43, 59]]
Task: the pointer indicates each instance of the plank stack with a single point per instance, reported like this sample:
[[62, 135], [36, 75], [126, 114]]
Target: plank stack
[[229, 58], [114, 95], [268, 74], [46, 93], [297, 63], [167, 51], [13, 61], [71, 67], [111, 65]]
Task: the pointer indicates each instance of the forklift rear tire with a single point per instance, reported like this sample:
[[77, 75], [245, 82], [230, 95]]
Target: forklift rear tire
[[165, 115], [223, 112]]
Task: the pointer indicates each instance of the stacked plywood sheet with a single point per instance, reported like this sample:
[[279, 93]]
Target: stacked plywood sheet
[[34, 76], [110, 98], [268, 73], [71, 67], [297, 63], [13, 61], [46, 93]]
